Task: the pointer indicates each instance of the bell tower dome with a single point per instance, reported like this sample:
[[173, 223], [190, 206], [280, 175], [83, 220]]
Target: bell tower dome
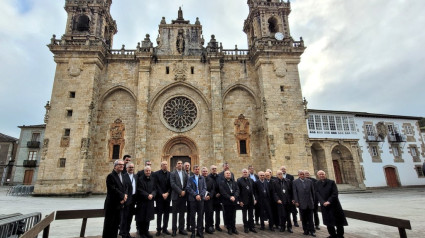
[[89, 20], [267, 20]]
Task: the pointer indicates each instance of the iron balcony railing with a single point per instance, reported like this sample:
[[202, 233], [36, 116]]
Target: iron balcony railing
[[33, 144]]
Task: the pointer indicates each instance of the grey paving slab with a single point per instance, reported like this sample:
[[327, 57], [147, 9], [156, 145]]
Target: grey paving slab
[[406, 203]]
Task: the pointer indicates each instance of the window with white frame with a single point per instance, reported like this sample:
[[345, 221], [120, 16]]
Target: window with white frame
[[369, 130], [414, 151], [396, 151], [331, 124], [409, 130], [32, 155], [375, 151]]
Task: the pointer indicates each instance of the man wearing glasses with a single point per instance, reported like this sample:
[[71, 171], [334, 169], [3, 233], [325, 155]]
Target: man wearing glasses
[[216, 199], [116, 196]]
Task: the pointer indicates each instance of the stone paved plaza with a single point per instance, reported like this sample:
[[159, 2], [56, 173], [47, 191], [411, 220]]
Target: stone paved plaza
[[406, 203]]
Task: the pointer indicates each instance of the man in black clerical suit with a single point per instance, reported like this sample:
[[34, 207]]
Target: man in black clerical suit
[[178, 182], [115, 198], [263, 197], [247, 201], [294, 211], [282, 196], [186, 168], [229, 196], [226, 168], [216, 199], [254, 178], [129, 208], [332, 213], [145, 211], [303, 195], [208, 201], [270, 178], [163, 198], [196, 190], [316, 203]]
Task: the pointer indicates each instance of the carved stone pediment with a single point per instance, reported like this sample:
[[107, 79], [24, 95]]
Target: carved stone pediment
[[280, 68], [75, 67]]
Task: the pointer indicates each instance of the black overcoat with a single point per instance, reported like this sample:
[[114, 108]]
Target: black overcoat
[[333, 215], [145, 210], [246, 190]]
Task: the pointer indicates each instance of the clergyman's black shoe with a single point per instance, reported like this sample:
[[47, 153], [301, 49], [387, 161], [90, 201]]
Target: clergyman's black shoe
[[158, 233], [246, 230], [193, 235], [174, 233], [235, 232], [290, 230], [305, 233], [252, 230], [229, 232], [312, 233], [296, 224], [217, 228], [183, 232], [282, 229], [166, 232]]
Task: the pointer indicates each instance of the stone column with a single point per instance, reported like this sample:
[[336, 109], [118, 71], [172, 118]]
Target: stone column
[[329, 163], [142, 112], [216, 110]]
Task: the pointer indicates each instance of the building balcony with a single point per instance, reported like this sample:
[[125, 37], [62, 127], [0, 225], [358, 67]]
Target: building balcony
[[30, 163], [397, 137], [33, 144], [374, 138]]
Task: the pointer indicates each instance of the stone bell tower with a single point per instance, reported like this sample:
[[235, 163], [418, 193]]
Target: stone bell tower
[[276, 56], [80, 56]]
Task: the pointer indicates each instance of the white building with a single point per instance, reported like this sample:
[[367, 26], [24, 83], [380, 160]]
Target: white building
[[367, 150]]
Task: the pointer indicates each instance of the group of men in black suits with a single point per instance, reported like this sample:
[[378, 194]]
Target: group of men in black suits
[[201, 194]]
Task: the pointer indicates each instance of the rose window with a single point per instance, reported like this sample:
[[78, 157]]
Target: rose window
[[180, 113]]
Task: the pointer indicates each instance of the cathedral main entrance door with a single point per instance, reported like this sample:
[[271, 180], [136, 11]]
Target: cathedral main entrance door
[[180, 148]]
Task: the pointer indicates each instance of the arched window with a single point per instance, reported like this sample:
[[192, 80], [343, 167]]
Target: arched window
[[273, 28], [83, 23]]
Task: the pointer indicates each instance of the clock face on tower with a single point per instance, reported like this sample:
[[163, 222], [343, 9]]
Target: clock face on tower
[[279, 36]]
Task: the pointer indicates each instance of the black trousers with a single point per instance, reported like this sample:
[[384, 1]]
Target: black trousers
[[143, 227], [196, 209], [284, 211], [294, 213], [248, 215], [209, 214], [179, 207], [127, 213], [163, 207], [217, 208], [229, 216], [316, 215], [266, 213], [257, 212], [307, 219], [111, 222], [187, 216], [339, 232]]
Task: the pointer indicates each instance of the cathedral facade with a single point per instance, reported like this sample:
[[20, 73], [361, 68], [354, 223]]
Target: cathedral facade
[[180, 98]]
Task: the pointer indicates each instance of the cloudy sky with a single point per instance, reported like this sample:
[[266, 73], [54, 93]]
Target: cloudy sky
[[361, 55]]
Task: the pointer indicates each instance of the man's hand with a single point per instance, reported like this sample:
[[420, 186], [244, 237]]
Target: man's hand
[[241, 204], [232, 198], [125, 197], [279, 202], [150, 196], [165, 196], [255, 202], [217, 195], [326, 204], [122, 202], [198, 197], [297, 204], [207, 198], [183, 193]]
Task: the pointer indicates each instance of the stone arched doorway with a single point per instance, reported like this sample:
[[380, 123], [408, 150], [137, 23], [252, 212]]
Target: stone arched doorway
[[343, 164], [319, 158], [180, 148]]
